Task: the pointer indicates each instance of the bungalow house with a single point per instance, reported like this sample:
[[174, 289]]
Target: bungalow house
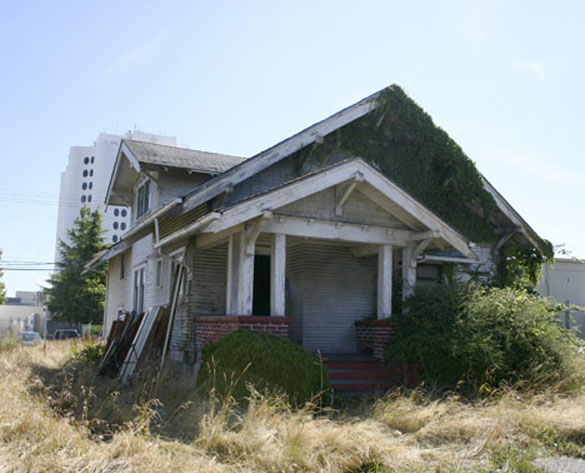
[[309, 238]]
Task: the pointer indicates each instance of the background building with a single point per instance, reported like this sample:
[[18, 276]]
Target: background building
[[85, 181], [565, 282]]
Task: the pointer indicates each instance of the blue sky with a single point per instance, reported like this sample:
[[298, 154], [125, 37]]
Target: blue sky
[[504, 79]]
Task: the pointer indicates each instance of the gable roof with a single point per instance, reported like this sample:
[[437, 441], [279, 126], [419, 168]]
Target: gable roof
[[134, 155], [315, 135], [184, 158]]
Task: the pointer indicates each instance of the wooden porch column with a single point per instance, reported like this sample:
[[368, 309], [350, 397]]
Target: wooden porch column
[[240, 276], [408, 271], [384, 281], [277, 274], [245, 275]]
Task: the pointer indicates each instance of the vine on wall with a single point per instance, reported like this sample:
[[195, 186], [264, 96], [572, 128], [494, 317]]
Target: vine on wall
[[400, 139]]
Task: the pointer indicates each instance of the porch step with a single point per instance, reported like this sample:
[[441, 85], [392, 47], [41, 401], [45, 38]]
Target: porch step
[[353, 375]]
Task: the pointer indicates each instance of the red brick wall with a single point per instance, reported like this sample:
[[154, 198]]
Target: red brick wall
[[211, 329], [373, 336]]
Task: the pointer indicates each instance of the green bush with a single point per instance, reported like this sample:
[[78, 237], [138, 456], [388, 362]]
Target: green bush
[[473, 337], [91, 352], [267, 361]]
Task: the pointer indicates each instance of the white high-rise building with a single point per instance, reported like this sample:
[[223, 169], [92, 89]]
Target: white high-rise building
[[85, 182]]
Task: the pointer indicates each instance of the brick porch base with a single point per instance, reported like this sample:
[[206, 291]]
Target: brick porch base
[[373, 336], [211, 329]]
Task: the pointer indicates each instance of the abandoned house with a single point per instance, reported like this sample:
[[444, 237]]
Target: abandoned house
[[318, 238]]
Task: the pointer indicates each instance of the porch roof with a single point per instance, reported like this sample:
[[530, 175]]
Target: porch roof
[[423, 224]]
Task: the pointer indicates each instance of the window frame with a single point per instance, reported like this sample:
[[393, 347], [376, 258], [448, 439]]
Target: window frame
[[143, 198]]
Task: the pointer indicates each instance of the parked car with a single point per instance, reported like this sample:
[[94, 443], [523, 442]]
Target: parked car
[[65, 333], [30, 338]]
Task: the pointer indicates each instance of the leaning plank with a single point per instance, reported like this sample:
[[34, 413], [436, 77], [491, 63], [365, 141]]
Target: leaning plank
[[129, 365]]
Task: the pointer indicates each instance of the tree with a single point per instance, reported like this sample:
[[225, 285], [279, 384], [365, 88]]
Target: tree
[[2, 286], [74, 296]]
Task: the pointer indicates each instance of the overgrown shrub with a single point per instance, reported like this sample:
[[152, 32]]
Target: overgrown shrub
[[473, 337], [267, 361]]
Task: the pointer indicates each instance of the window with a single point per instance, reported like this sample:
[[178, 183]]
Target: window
[[91, 172], [89, 198], [143, 199], [159, 273], [116, 212], [85, 173], [122, 226], [122, 266], [84, 186], [85, 160], [92, 159], [115, 225], [83, 199], [124, 213], [138, 299], [91, 185], [115, 238]]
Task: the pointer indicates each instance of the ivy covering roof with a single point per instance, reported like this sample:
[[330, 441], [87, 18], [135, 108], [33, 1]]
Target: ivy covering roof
[[400, 139]]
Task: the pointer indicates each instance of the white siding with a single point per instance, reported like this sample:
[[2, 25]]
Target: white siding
[[118, 295]]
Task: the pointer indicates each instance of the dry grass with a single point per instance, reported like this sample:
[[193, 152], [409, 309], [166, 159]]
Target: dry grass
[[57, 416]]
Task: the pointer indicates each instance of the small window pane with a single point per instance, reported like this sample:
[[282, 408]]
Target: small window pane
[[92, 159], [91, 185], [85, 173], [124, 213], [85, 160], [115, 225], [116, 212], [91, 172], [115, 238], [123, 226], [84, 186], [89, 198], [82, 198]]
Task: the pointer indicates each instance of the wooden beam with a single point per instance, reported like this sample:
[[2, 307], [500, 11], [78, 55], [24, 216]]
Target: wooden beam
[[339, 206], [422, 246], [277, 275], [384, 281], [326, 229], [253, 232]]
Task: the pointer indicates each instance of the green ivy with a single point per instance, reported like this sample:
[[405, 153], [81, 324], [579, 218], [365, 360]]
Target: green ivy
[[400, 139]]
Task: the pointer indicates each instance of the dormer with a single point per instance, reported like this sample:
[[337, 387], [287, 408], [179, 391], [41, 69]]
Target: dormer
[[146, 176]]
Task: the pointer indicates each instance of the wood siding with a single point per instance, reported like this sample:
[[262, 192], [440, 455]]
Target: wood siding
[[357, 209], [175, 183], [329, 289]]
